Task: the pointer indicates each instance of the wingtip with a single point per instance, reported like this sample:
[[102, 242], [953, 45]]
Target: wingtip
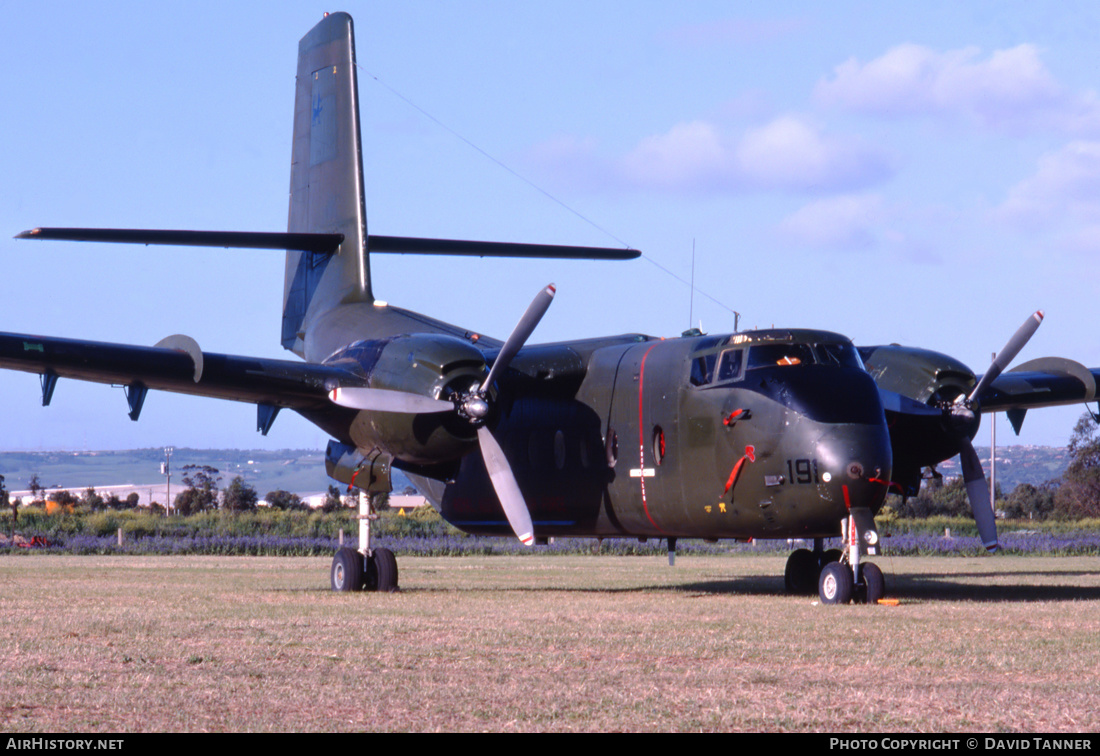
[[28, 234]]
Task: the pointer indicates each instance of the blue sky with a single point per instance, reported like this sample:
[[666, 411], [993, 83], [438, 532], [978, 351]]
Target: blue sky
[[927, 174]]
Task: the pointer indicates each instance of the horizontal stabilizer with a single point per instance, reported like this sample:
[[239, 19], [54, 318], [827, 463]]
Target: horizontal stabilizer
[[327, 243], [406, 245], [324, 243]]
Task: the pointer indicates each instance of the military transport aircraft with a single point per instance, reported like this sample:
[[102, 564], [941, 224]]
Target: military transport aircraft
[[781, 433]]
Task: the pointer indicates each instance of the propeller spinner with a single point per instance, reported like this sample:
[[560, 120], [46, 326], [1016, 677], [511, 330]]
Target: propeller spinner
[[474, 406]]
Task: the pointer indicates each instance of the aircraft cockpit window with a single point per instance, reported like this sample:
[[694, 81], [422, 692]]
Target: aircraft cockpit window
[[772, 355], [729, 368], [702, 365], [844, 355], [702, 369], [717, 367]]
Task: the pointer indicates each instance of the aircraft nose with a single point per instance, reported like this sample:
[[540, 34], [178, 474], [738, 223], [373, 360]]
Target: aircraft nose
[[856, 463]]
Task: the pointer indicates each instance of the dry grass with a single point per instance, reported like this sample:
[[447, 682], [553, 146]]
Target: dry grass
[[133, 644]]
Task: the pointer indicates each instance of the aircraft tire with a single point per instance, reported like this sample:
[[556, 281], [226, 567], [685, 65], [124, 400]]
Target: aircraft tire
[[382, 571], [873, 587], [832, 555], [347, 570], [800, 576], [835, 585]]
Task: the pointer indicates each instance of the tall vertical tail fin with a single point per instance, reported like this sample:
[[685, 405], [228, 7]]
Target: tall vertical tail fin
[[326, 180]]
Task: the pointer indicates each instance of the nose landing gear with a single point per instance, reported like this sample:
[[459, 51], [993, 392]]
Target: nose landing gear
[[840, 576], [852, 579]]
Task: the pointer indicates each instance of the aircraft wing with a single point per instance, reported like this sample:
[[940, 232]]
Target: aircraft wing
[[176, 364], [1046, 382]]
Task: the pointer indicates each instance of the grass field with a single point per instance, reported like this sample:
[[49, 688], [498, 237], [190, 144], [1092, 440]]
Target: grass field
[[131, 644]]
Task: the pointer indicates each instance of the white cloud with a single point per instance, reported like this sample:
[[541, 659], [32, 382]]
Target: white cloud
[[1011, 89], [688, 154], [790, 154], [1065, 187], [786, 154], [1058, 206], [850, 221]]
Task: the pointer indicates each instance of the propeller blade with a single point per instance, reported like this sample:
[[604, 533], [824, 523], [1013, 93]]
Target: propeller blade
[[500, 473], [523, 330], [977, 490], [386, 400], [1008, 354]]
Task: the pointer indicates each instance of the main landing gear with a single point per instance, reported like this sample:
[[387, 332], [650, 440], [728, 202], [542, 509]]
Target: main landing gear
[[366, 569], [840, 576]]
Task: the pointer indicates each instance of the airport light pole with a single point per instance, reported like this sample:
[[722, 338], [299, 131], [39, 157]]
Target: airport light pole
[[166, 470], [993, 457]]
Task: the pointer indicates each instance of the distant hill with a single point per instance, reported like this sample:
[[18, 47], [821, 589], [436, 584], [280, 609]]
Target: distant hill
[[295, 470], [1017, 464], [303, 470]]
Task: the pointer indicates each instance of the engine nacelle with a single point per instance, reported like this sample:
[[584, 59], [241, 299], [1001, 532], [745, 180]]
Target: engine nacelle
[[434, 365], [357, 470], [926, 376], [933, 378]]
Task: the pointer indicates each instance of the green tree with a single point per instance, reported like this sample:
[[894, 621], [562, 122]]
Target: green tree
[[201, 493], [1079, 494], [34, 485], [239, 496], [5, 501], [65, 498], [284, 500], [1028, 502], [332, 500], [92, 500], [937, 498]]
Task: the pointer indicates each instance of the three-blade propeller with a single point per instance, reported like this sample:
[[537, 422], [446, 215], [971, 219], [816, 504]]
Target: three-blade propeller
[[977, 489], [474, 406]]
